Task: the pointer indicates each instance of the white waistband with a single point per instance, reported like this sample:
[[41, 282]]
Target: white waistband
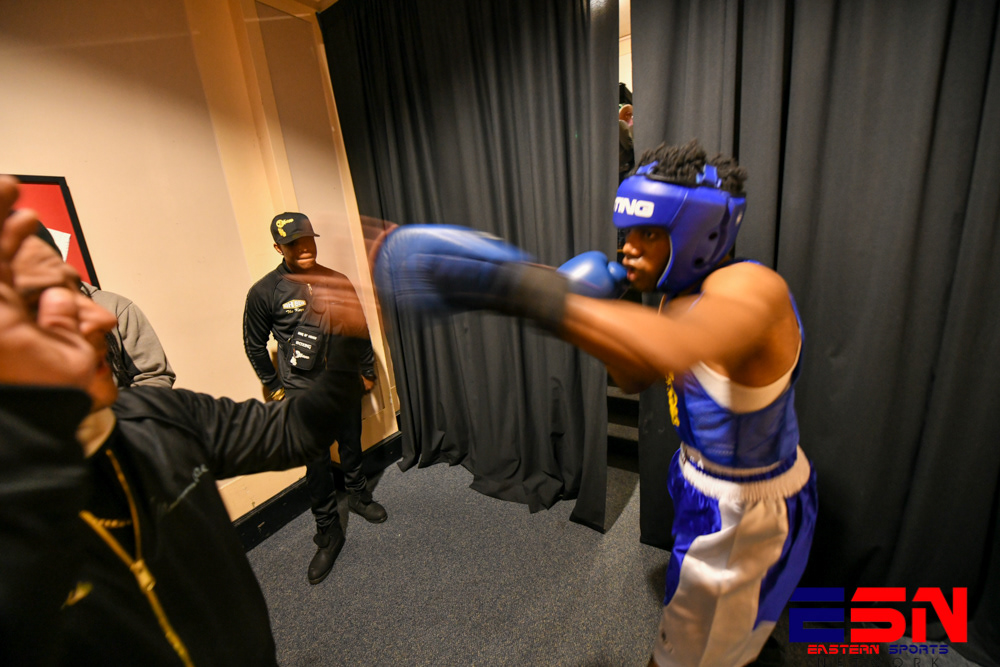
[[785, 485], [698, 459]]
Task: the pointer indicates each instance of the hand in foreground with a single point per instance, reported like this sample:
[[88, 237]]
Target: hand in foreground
[[375, 231], [335, 300], [40, 343]]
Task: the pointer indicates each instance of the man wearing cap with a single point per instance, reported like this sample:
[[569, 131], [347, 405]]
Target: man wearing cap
[[281, 304]]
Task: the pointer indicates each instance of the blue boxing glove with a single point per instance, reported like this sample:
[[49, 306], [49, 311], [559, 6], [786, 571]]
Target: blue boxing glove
[[591, 274], [442, 268]]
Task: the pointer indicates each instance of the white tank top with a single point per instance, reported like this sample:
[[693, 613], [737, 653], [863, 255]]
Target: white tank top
[[737, 397]]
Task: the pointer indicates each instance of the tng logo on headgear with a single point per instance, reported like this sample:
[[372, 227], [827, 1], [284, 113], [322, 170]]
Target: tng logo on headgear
[[281, 223], [640, 208]]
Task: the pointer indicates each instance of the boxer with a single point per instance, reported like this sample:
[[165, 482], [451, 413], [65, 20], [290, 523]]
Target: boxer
[[727, 342]]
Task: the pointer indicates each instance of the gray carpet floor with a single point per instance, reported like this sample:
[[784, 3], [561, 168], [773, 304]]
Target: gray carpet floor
[[457, 578]]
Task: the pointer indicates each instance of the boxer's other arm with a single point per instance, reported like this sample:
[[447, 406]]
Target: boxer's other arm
[[591, 274], [435, 268]]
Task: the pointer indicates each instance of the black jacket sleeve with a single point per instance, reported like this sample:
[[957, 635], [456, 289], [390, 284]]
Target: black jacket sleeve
[[42, 490], [367, 356], [241, 438], [345, 352], [256, 329]]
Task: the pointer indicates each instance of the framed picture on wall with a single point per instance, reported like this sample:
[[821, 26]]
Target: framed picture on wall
[[49, 197]]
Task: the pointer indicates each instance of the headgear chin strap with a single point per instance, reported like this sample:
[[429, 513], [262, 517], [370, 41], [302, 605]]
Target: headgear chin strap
[[702, 221]]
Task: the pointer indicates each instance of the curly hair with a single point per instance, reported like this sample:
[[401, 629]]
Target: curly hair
[[683, 164]]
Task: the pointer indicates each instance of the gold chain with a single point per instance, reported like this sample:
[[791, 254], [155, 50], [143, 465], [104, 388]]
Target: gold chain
[[137, 566], [113, 523]]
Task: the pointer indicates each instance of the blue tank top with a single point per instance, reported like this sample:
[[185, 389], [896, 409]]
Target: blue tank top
[[735, 440]]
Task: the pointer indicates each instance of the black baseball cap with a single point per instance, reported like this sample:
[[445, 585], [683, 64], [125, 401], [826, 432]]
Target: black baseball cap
[[288, 227]]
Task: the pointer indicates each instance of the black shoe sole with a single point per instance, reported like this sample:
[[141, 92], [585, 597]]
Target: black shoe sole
[[320, 580], [382, 520]]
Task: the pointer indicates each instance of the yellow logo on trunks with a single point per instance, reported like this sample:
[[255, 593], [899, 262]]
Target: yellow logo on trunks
[[672, 400], [281, 223], [294, 304]]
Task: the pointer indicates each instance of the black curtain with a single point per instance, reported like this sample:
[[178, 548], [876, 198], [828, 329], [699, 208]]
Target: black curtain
[[870, 134], [501, 117]]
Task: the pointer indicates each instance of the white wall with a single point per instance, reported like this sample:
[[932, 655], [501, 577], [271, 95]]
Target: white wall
[[625, 42], [625, 61], [108, 94], [162, 117]]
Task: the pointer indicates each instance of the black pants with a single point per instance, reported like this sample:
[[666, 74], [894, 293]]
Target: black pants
[[319, 473]]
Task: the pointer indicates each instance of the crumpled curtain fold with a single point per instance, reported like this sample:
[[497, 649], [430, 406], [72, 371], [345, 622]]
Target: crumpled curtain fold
[[500, 117], [869, 131]]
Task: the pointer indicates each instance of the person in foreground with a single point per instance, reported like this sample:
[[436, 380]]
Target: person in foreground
[[726, 340], [115, 546]]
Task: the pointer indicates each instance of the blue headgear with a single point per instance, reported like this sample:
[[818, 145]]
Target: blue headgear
[[702, 221]]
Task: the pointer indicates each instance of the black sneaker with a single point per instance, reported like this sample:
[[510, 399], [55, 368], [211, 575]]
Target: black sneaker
[[363, 505], [330, 543]]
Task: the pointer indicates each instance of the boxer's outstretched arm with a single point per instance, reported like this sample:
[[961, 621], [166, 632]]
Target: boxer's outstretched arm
[[733, 318], [731, 325]]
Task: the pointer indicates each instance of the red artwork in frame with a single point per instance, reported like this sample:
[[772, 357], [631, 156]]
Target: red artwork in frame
[[49, 197]]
